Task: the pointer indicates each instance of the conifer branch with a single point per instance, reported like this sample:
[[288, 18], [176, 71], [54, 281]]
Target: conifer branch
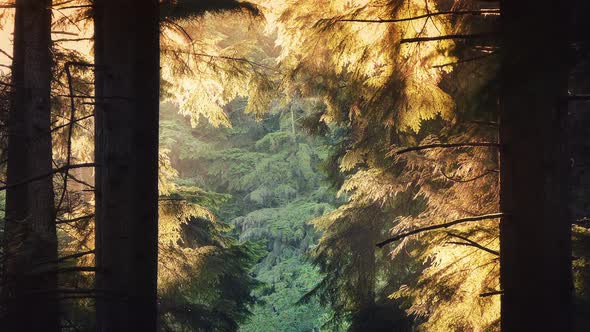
[[70, 132], [488, 294], [68, 221], [6, 54], [446, 146], [439, 226], [55, 171], [465, 60], [445, 37], [472, 243], [73, 256], [75, 121], [465, 180], [413, 18]]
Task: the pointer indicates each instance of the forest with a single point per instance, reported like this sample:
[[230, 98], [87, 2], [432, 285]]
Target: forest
[[294, 165]]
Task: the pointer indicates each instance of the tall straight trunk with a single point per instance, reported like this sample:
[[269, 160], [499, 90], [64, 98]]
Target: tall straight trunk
[[536, 235], [579, 144], [29, 290], [127, 89]]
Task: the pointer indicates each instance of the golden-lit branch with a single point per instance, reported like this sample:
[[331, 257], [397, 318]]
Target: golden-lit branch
[[450, 178], [469, 242], [465, 60], [418, 17], [445, 146], [445, 37], [439, 226]]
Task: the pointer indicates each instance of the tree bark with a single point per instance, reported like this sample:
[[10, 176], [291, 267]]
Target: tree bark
[[535, 235], [30, 217], [127, 66]]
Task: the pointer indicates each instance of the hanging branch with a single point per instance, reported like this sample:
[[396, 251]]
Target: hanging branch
[[405, 19], [465, 180], [472, 243], [445, 37], [445, 146], [465, 60], [439, 226]]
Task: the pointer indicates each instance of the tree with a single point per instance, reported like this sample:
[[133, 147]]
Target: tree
[[30, 235], [535, 236], [127, 106]]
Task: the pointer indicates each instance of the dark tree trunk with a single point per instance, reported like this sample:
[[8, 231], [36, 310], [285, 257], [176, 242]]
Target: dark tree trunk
[[31, 240], [127, 89], [536, 236], [579, 144]]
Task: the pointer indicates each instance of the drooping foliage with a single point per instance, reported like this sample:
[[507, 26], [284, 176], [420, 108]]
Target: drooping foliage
[[394, 90], [270, 172]]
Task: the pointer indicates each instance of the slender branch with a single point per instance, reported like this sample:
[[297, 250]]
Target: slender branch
[[465, 60], [69, 221], [491, 293], [439, 226], [405, 19], [6, 54], [61, 40], [70, 132], [465, 180], [445, 37], [223, 57], [75, 121], [472, 244], [55, 171], [65, 258], [446, 146]]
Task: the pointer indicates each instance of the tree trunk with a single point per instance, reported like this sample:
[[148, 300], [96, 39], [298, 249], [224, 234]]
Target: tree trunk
[[536, 236], [31, 304], [127, 89]]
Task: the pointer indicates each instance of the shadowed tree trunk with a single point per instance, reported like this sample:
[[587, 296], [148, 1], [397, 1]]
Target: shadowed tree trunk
[[536, 236], [28, 294], [127, 89]]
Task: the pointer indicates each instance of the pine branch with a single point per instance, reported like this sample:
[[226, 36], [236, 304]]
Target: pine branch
[[75, 121], [405, 19], [439, 226], [445, 37], [55, 171], [465, 180], [472, 244], [73, 256], [70, 132], [69, 221], [465, 60], [491, 293], [445, 146]]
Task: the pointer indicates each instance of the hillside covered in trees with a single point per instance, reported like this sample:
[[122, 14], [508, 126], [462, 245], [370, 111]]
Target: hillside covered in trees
[[296, 166]]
